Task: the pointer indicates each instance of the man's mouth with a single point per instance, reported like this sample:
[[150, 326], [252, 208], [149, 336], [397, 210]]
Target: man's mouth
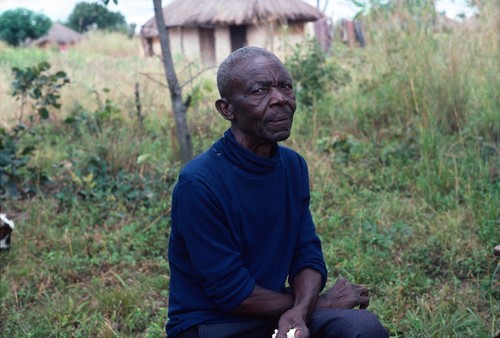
[[281, 123], [280, 119]]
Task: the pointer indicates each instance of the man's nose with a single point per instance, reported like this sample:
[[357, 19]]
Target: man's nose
[[277, 97]]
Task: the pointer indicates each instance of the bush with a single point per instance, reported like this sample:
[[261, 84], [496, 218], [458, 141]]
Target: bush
[[314, 75], [18, 25], [17, 146]]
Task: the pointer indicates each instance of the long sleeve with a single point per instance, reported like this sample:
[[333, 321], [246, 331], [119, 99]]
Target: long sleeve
[[308, 252], [213, 255]]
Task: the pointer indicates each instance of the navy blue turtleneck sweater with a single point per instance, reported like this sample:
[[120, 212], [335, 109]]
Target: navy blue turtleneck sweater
[[238, 220]]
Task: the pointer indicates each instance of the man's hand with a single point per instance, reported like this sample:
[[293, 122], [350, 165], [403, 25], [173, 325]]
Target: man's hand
[[305, 289], [292, 319], [344, 295]]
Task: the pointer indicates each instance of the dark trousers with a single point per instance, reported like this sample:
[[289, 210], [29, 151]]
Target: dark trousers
[[324, 323]]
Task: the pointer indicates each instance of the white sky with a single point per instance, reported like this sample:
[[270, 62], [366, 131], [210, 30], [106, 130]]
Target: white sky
[[139, 11]]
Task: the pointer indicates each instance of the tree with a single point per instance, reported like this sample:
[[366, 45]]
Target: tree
[[95, 15], [321, 8], [20, 24], [180, 108]]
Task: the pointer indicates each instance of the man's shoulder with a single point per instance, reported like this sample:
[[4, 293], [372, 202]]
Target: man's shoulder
[[203, 166], [291, 156], [284, 150], [199, 163]]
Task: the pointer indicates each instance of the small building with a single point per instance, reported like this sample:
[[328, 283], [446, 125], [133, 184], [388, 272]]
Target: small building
[[209, 30], [58, 35]]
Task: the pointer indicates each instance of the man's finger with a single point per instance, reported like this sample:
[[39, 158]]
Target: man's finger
[[280, 334], [282, 330], [341, 281], [363, 292], [364, 302], [301, 334]]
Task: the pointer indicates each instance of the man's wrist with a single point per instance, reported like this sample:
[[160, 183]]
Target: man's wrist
[[302, 310], [323, 302]]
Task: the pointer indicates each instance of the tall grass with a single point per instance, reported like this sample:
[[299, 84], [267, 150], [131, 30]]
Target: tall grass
[[404, 173]]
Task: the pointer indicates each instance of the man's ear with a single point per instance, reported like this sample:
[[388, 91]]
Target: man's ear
[[225, 109]]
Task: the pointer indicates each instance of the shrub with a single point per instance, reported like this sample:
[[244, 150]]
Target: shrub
[[18, 25]]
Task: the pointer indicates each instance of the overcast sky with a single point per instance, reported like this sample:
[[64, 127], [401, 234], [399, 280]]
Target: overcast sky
[[140, 11]]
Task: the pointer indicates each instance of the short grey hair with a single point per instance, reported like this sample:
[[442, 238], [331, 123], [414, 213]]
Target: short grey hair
[[226, 67]]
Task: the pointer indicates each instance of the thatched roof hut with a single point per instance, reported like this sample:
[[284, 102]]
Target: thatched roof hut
[[59, 35], [230, 23], [185, 13]]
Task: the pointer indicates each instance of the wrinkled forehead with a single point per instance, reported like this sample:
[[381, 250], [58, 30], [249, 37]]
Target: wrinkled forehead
[[258, 68]]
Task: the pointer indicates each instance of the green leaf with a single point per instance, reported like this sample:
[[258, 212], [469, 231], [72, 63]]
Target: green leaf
[[144, 158], [11, 188], [44, 65], [21, 161], [37, 93], [358, 3], [70, 120], [28, 150], [61, 74], [5, 160], [43, 113]]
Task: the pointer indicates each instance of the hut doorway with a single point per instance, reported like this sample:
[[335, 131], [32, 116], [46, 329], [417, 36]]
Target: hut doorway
[[207, 46], [149, 48], [238, 37]]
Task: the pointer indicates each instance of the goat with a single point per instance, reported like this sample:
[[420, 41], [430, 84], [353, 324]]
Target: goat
[[6, 227]]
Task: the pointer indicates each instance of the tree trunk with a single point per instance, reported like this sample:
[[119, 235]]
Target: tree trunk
[[180, 109], [318, 5]]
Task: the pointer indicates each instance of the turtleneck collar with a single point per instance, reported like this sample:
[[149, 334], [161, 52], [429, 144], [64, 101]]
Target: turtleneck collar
[[244, 159]]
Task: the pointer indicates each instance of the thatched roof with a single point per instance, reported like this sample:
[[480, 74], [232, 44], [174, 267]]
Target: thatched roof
[[59, 34], [210, 13]]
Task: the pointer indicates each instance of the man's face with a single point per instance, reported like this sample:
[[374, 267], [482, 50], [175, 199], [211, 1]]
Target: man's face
[[261, 101]]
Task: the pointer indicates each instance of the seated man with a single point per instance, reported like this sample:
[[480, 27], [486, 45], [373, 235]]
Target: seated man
[[241, 225]]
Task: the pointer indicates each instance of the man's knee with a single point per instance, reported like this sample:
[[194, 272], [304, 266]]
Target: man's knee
[[334, 323], [369, 325]]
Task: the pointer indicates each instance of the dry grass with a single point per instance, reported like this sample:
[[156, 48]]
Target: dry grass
[[404, 177]]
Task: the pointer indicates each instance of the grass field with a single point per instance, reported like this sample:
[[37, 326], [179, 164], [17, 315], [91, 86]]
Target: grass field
[[405, 181]]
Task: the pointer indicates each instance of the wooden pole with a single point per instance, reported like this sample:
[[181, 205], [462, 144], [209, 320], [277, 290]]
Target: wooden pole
[[180, 109]]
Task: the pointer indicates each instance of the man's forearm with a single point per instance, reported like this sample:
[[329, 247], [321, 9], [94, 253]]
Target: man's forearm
[[266, 303], [306, 287]]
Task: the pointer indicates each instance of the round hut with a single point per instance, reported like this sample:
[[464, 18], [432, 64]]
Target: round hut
[[58, 35], [209, 30]]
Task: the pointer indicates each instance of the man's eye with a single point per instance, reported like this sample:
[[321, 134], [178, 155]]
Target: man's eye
[[260, 91], [286, 86]]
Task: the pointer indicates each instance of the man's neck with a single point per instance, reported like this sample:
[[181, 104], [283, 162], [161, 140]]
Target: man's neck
[[263, 149]]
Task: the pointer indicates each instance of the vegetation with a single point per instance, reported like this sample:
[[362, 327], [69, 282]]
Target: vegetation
[[41, 87], [95, 15], [404, 164], [17, 146], [20, 24], [179, 106]]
